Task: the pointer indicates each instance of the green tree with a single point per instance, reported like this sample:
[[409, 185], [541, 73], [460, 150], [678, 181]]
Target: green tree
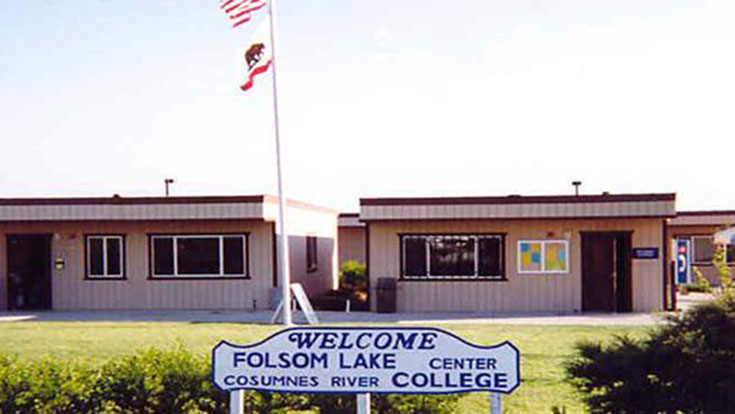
[[687, 365]]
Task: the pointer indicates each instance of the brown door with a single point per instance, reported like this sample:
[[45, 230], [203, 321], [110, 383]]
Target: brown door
[[29, 272], [623, 274], [606, 276], [598, 273]]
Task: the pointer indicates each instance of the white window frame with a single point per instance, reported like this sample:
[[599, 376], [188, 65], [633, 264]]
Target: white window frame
[[543, 256], [220, 274], [88, 256]]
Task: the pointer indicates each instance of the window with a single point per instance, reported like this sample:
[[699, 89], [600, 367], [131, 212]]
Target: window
[[455, 257], [703, 251], [104, 257], [543, 256], [311, 253], [199, 256]]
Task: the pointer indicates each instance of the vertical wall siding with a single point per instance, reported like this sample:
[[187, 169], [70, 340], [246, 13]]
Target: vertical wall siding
[[3, 274], [351, 244], [153, 211], [532, 211], [322, 225], [521, 292], [70, 291]]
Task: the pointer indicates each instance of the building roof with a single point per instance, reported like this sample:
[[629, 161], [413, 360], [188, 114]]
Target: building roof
[[704, 218], [350, 220], [260, 207], [519, 207]]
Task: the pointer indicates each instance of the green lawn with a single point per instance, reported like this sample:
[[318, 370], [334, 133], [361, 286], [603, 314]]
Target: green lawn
[[543, 349]]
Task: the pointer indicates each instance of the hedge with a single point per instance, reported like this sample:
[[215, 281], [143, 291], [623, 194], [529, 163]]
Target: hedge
[[162, 382], [684, 366]]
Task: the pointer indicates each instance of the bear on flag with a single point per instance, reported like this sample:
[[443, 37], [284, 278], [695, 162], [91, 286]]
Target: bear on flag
[[258, 56]]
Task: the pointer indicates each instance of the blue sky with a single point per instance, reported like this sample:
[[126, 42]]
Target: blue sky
[[401, 98]]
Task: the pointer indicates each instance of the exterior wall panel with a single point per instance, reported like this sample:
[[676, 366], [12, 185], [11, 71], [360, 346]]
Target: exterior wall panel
[[520, 210], [706, 218], [95, 212], [351, 244], [322, 224], [3, 274]]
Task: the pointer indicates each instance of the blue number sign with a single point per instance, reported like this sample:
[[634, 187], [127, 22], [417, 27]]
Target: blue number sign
[[683, 261]]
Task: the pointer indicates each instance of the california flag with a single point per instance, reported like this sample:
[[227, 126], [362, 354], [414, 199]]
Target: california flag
[[258, 56]]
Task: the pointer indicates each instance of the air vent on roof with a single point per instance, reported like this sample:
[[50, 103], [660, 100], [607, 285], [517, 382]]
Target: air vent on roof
[[576, 185]]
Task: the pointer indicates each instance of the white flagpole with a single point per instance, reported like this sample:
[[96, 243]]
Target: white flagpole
[[285, 278]]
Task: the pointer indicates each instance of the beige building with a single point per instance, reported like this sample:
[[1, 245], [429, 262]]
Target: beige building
[[694, 230], [521, 254], [351, 238], [158, 252]]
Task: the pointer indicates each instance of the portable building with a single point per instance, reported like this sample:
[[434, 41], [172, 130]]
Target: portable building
[[521, 253], [692, 241], [158, 252]]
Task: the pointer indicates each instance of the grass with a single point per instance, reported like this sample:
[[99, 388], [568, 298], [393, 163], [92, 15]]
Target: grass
[[544, 349]]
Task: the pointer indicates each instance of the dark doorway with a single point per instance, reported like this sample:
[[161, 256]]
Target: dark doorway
[[29, 272], [606, 278]]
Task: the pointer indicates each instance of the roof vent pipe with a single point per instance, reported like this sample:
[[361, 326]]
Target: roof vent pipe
[[167, 182], [576, 185]]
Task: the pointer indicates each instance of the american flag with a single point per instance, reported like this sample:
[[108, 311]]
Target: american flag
[[239, 11]]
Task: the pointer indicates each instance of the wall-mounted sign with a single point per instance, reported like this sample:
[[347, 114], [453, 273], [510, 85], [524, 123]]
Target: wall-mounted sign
[[366, 360], [645, 252], [683, 261]]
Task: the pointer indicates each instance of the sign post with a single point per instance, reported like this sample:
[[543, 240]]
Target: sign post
[[363, 403], [496, 403], [366, 360], [237, 402]]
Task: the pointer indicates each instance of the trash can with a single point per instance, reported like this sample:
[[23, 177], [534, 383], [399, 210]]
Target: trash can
[[386, 295]]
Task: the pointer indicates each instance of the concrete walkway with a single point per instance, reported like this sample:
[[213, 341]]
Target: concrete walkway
[[685, 302], [339, 317]]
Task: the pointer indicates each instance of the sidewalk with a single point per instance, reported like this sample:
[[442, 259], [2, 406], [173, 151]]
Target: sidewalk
[[327, 317], [264, 317]]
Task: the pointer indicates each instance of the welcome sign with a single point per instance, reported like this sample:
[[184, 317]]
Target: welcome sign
[[366, 360]]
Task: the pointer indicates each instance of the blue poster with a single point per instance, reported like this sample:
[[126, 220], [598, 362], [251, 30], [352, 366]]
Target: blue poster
[[683, 262]]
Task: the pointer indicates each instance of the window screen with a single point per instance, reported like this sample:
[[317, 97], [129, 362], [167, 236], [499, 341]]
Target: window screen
[[452, 256]]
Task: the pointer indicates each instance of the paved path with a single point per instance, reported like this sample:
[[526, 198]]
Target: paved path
[[685, 302]]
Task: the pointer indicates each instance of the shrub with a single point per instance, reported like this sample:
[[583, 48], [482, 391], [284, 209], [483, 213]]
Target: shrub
[[701, 284], [45, 386], [158, 382], [353, 275], [388, 404], [687, 365], [162, 382], [723, 272]]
